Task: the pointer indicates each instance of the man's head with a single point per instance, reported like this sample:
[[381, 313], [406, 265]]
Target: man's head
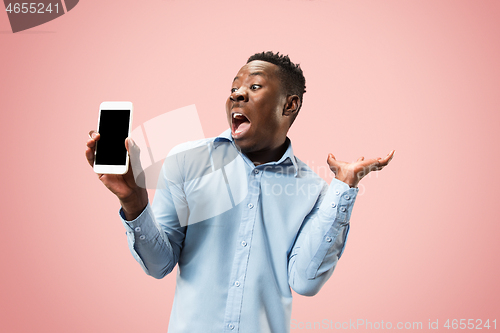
[[291, 76], [265, 98]]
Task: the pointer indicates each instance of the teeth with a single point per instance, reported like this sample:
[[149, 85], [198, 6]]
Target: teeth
[[238, 115]]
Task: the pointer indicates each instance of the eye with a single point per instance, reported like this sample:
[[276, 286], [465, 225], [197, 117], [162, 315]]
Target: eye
[[255, 86], [233, 90]]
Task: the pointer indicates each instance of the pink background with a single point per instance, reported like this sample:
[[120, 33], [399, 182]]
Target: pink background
[[421, 77]]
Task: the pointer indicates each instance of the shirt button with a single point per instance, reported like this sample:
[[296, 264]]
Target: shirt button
[[142, 237], [337, 192], [334, 205], [255, 171], [342, 209], [243, 243], [347, 197], [328, 239], [237, 283], [231, 326], [137, 229], [250, 205]]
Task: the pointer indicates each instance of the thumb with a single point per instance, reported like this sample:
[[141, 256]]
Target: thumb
[[130, 144], [332, 163], [331, 160], [135, 162]]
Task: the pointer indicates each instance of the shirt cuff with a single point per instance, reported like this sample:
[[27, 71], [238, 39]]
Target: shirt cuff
[[143, 227], [338, 201]]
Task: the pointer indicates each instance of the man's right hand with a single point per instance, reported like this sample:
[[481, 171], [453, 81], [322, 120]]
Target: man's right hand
[[133, 198]]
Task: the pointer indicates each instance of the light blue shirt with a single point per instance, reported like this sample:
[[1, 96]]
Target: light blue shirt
[[242, 235]]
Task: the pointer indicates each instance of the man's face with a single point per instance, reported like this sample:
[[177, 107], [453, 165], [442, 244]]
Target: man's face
[[255, 108]]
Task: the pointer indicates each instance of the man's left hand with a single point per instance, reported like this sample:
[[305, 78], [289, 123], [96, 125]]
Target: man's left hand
[[352, 173]]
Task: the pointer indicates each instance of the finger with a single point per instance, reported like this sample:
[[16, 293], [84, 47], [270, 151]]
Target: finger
[[94, 137], [90, 143], [90, 151], [360, 159], [89, 154], [371, 165], [384, 161], [391, 155]]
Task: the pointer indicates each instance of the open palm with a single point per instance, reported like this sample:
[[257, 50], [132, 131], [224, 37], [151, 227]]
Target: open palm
[[352, 173]]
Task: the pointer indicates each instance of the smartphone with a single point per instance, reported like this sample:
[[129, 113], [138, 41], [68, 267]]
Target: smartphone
[[115, 120]]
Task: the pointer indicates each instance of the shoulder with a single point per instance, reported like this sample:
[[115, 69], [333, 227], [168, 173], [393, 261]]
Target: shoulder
[[190, 146], [201, 156], [187, 160]]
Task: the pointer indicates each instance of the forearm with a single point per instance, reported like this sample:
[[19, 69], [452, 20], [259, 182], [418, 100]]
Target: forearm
[[150, 245], [321, 240]]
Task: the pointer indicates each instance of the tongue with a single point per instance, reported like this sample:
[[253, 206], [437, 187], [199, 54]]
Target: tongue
[[242, 127]]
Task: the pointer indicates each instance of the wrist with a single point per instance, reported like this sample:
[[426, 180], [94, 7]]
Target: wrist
[[349, 181], [134, 204]]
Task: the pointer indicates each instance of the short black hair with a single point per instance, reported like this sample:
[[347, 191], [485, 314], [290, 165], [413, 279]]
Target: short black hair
[[291, 75]]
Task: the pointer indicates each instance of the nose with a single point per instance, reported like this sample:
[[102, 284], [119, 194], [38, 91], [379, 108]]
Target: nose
[[238, 95]]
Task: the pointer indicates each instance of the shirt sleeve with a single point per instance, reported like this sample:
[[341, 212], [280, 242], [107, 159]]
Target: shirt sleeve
[[156, 236], [321, 240]]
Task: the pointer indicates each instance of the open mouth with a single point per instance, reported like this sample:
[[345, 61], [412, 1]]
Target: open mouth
[[240, 124]]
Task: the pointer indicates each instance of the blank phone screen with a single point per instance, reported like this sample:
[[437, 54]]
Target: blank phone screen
[[113, 127]]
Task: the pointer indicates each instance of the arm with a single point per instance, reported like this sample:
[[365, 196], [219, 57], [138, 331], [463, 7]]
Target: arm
[[155, 237], [321, 240], [322, 237], [156, 248]]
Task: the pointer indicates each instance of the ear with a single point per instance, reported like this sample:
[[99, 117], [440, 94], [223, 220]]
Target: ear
[[292, 105]]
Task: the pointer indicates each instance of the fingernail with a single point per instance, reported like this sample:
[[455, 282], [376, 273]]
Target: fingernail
[[94, 135]]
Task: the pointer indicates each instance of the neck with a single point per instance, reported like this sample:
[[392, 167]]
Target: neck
[[268, 155]]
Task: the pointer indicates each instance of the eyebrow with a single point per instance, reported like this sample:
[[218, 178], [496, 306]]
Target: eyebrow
[[252, 74]]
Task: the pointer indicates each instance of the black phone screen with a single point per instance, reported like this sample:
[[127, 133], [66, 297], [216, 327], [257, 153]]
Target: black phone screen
[[113, 128]]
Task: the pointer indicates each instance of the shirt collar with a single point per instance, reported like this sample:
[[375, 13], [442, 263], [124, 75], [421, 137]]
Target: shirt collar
[[288, 155]]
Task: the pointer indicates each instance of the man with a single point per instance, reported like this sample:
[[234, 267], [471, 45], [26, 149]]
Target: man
[[245, 220]]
